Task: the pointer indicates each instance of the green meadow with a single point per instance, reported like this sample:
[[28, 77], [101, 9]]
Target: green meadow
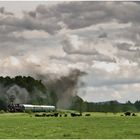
[[98, 125]]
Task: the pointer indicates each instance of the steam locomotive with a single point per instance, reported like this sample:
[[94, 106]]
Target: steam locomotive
[[28, 107]]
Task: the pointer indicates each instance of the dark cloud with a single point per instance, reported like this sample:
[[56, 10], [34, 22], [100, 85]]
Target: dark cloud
[[32, 14], [103, 35], [3, 11], [83, 14], [77, 47], [125, 46], [74, 15]]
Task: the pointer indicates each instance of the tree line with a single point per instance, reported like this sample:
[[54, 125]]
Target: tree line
[[109, 106], [40, 94]]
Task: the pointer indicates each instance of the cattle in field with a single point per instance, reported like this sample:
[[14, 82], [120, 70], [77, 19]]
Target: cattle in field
[[87, 115], [65, 115], [37, 115], [133, 114], [127, 113], [75, 115], [48, 115], [56, 114], [43, 115]]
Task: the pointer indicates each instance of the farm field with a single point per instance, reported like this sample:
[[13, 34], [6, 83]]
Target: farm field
[[98, 125]]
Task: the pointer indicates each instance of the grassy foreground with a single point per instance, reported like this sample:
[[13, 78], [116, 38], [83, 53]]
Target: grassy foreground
[[99, 125]]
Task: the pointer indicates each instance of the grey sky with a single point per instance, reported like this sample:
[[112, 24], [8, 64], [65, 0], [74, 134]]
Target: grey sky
[[99, 38], [18, 7]]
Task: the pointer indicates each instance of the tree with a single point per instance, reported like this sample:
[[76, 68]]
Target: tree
[[128, 106], [114, 106]]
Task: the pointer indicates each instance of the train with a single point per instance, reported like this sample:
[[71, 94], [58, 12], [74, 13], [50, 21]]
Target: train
[[29, 107]]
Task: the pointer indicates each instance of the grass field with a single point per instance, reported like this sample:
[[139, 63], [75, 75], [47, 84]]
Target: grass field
[[98, 125]]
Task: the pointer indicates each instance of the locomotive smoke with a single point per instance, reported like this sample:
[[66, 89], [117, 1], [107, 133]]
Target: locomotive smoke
[[21, 94], [64, 86]]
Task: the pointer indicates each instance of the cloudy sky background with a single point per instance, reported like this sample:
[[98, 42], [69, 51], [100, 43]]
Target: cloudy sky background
[[100, 38]]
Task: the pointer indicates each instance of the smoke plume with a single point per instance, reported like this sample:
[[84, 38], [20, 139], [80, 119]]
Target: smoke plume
[[21, 95], [65, 87]]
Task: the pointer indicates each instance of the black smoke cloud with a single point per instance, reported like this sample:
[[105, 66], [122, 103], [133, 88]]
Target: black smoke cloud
[[65, 87]]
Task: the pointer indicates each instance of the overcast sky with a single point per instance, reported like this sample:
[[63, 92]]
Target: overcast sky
[[100, 38]]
